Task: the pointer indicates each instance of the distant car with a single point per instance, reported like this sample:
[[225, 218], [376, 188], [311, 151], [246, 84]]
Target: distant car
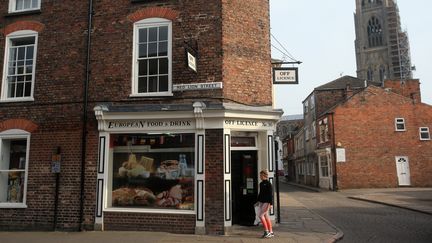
[[281, 173]]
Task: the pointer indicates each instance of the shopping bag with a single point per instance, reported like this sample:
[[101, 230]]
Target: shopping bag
[[257, 212]]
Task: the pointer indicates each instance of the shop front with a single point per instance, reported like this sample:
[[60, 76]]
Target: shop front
[[158, 166]]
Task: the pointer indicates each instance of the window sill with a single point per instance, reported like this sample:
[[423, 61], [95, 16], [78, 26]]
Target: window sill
[[146, 210], [26, 12], [149, 95], [17, 100], [13, 205]]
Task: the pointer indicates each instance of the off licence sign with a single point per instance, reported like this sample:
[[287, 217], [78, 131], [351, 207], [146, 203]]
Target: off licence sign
[[288, 75]]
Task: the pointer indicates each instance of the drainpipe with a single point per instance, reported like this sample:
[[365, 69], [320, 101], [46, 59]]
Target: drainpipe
[[333, 155], [85, 119]]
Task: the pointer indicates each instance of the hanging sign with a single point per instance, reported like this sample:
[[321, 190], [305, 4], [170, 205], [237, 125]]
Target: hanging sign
[[192, 63], [285, 75]]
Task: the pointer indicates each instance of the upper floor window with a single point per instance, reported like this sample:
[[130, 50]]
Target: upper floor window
[[23, 5], [324, 131], [14, 150], [19, 69], [312, 102], [424, 133], [374, 31], [152, 58], [400, 124], [306, 106]]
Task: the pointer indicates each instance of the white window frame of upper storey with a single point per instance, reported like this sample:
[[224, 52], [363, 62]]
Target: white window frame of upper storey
[[424, 130], [18, 134], [401, 122], [146, 23], [12, 7], [17, 35]]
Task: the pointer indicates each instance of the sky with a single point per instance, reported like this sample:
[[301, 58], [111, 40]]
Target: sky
[[321, 34]]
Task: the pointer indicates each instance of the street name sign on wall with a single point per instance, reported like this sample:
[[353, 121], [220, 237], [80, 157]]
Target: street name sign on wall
[[197, 86], [285, 75]]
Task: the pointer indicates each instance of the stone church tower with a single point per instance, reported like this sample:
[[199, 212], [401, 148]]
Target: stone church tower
[[382, 48]]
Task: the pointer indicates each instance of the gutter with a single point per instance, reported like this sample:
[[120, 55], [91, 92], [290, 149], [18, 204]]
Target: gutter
[[85, 118]]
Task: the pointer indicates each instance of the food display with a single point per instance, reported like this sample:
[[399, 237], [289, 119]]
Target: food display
[[148, 178]]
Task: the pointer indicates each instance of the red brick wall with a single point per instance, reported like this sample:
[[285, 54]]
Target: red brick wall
[[173, 223], [246, 51], [407, 88], [365, 128], [214, 187], [325, 99]]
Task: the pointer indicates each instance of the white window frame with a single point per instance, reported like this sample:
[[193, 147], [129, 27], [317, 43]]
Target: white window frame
[[313, 129], [147, 23], [321, 167], [13, 5], [17, 35], [16, 134], [400, 121], [424, 130]]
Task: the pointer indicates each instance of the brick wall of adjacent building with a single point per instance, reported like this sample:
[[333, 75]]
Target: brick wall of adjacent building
[[325, 99], [365, 127]]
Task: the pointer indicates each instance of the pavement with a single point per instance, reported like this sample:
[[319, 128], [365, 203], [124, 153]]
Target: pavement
[[298, 223]]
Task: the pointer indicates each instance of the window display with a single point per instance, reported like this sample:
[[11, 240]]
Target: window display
[[153, 170], [12, 170]]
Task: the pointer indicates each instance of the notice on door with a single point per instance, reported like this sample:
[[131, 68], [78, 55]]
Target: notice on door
[[249, 183]]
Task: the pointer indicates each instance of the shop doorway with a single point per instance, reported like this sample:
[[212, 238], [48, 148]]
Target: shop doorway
[[244, 186]]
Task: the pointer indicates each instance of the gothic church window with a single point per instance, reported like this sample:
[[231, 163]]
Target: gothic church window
[[374, 31], [370, 74], [382, 73]]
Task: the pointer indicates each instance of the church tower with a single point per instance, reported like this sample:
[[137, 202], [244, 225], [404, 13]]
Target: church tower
[[382, 48]]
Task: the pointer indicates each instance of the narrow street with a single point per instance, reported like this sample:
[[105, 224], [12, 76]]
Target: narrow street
[[363, 221]]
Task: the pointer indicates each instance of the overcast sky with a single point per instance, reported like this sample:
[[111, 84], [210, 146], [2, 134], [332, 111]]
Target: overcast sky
[[321, 34]]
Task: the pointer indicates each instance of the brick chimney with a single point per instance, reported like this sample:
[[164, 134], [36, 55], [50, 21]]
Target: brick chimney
[[408, 88]]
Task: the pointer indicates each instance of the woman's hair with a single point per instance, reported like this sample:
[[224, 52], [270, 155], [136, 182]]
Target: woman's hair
[[264, 173]]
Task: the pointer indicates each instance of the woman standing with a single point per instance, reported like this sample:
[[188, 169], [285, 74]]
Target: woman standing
[[265, 201]]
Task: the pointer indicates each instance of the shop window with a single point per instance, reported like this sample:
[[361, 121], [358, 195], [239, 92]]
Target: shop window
[[324, 166], [400, 124], [23, 5], [153, 171], [14, 147], [152, 58], [424, 133], [18, 79]]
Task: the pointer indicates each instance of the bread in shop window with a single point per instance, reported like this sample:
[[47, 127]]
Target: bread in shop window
[[133, 197]]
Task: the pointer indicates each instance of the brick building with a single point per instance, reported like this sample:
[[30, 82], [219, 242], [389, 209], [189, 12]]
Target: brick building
[[101, 92], [378, 137]]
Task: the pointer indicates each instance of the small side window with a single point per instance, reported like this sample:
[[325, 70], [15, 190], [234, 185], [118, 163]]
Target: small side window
[[424, 133], [400, 124]]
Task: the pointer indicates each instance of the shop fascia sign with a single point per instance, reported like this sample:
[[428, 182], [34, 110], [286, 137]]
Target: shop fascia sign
[[149, 124], [245, 123], [197, 86]]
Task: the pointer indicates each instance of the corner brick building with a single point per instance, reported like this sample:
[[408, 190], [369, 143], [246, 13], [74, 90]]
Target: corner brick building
[[104, 126], [378, 137]]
